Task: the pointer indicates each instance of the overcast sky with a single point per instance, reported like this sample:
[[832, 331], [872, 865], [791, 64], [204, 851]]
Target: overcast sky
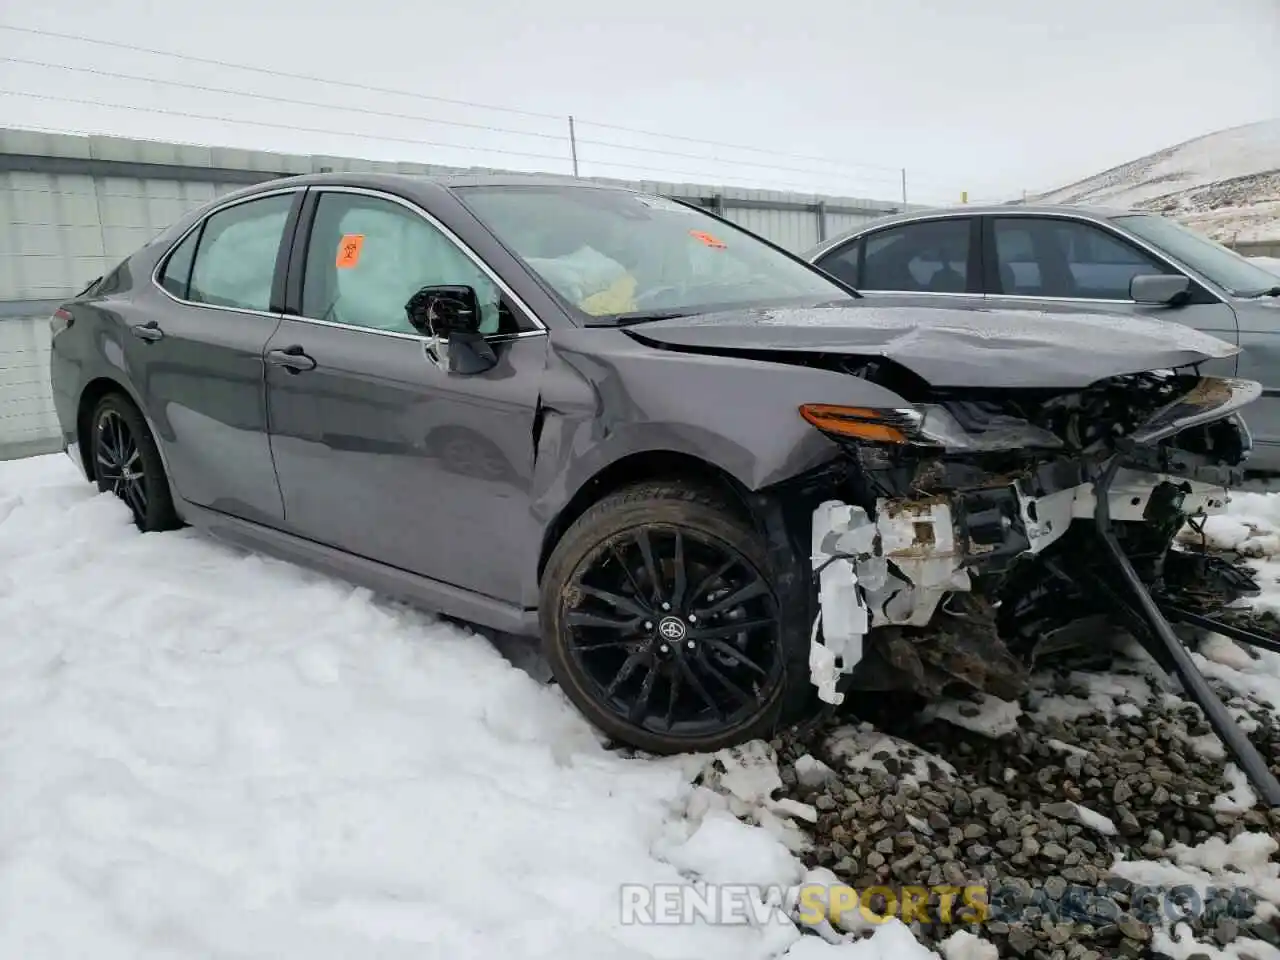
[[989, 96]]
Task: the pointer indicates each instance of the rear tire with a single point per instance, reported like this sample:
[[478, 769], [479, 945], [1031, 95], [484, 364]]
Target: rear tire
[[126, 462], [721, 641]]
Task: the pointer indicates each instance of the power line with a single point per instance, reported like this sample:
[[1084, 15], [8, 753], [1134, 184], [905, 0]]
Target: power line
[[135, 48], [703, 177], [290, 100], [281, 126], [266, 71], [558, 138]]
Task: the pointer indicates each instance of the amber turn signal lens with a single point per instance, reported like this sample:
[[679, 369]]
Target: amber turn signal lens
[[860, 423]]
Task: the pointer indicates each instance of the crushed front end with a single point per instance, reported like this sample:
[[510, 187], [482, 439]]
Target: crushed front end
[[976, 531]]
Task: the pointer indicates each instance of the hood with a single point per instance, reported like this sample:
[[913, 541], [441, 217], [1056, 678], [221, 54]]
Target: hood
[[950, 347]]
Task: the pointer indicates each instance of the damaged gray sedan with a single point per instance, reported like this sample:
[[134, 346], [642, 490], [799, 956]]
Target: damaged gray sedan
[[719, 486]]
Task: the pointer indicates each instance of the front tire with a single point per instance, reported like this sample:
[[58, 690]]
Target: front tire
[[127, 463], [662, 624]]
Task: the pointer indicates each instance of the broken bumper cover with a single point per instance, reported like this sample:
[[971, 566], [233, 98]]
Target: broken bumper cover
[[895, 567]]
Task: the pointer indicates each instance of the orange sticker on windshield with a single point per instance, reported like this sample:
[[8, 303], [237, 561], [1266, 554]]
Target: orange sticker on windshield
[[349, 250], [708, 239]]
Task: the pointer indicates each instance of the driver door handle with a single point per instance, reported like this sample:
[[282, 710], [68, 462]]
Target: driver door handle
[[149, 331], [293, 358]]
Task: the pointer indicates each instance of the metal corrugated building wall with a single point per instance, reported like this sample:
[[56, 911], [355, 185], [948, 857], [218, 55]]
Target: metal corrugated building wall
[[71, 208]]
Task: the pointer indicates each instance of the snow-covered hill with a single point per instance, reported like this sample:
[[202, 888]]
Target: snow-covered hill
[[1226, 184]]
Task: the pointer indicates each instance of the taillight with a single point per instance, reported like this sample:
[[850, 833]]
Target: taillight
[[60, 320]]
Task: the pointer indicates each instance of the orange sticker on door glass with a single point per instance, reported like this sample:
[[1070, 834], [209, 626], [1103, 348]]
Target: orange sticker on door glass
[[708, 239], [349, 250]]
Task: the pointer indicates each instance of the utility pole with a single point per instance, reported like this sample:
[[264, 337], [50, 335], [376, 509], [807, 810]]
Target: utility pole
[[573, 146], [904, 184]]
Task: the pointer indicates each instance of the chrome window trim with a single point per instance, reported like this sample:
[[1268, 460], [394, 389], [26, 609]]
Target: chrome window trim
[[454, 239], [399, 335], [200, 221], [1028, 296], [916, 293], [1102, 224]]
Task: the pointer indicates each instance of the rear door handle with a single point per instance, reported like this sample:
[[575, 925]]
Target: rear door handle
[[149, 331], [292, 358]]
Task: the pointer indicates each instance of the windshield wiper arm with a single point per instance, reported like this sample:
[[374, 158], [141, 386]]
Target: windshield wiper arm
[[1272, 292], [637, 316]]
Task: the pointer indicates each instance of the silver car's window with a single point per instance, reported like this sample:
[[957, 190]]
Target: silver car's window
[[931, 256], [1225, 267], [610, 252], [1048, 257], [236, 259], [842, 262], [367, 257]]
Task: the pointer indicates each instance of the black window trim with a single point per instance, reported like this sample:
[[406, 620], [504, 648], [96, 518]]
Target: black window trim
[[282, 251], [991, 274], [973, 267], [297, 264]]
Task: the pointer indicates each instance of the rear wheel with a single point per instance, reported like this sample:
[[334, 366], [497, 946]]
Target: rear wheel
[[662, 625], [127, 463]]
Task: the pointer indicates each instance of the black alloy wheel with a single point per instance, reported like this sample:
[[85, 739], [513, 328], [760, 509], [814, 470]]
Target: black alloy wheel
[[126, 463], [666, 630]]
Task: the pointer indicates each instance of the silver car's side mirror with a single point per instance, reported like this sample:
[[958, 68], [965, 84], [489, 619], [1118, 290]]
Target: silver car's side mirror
[[1156, 288]]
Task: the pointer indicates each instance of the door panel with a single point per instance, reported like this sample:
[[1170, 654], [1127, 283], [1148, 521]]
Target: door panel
[[198, 365], [1260, 361], [383, 454], [380, 451]]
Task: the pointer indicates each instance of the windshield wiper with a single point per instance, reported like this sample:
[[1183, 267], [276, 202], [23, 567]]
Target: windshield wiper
[[637, 316], [1272, 292]]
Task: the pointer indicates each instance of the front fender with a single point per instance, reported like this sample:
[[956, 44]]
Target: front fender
[[606, 397]]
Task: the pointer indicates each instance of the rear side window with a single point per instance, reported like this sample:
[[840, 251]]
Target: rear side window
[[176, 275], [931, 256], [235, 261]]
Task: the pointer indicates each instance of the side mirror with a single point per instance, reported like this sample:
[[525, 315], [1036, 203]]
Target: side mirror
[[444, 310], [1170, 290], [451, 314]]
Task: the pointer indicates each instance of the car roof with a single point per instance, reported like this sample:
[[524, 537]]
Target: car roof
[[1087, 211], [447, 181]]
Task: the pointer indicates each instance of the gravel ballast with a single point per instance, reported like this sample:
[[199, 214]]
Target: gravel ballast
[[1042, 813]]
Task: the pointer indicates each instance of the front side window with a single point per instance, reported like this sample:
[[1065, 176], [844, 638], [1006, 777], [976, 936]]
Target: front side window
[[1049, 257], [368, 256], [236, 259], [931, 256], [1234, 273], [611, 252]]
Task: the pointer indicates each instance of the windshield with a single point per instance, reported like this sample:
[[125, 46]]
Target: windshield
[[1226, 268], [612, 253]]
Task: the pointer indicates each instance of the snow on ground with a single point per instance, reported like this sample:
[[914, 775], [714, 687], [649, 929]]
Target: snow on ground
[[1245, 861], [1226, 183], [862, 747], [987, 715], [1251, 527], [207, 753]]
